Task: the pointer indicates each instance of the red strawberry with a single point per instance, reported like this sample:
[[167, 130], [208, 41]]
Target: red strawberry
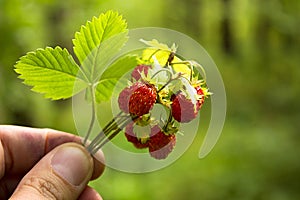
[[200, 101], [142, 99], [123, 99], [160, 144], [125, 95], [183, 109], [136, 73], [131, 137]]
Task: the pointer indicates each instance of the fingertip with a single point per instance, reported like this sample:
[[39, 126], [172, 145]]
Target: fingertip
[[89, 193], [73, 163], [99, 164], [62, 174]]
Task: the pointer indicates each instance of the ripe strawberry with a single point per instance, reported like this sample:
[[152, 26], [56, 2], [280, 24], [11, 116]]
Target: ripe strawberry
[[123, 99], [131, 137], [183, 109], [142, 99], [160, 144], [125, 95], [200, 101], [138, 70]]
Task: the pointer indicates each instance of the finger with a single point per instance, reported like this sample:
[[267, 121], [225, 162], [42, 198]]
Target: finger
[[62, 174], [21, 148], [7, 185], [99, 165], [90, 194]]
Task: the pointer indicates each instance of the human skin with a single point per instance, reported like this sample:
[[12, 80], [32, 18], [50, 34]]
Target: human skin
[[45, 164]]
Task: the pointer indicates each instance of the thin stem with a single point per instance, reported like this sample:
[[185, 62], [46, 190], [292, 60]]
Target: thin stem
[[103, 132], [91, 125], [163, 70], [100, 145], [111, 136], [100, 138], [192, 64], [153, 54], [169, 81], [170, 58], [169, 120]]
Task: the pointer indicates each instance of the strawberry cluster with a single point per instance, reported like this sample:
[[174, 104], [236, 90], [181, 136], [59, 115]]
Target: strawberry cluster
[[159, 143], [151, 84]]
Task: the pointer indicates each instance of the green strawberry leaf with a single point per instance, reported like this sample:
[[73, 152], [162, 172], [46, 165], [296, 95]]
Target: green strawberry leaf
[[98, 42], [102, 56], [112, 75], [52, 72]]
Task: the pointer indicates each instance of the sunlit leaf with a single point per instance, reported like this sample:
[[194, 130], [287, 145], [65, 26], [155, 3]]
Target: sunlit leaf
[[52, 72], [112, 75], [98, 42]]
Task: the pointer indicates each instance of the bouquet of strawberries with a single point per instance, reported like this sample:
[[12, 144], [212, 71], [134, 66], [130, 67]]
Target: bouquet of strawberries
[[162, 80], [159, 80]]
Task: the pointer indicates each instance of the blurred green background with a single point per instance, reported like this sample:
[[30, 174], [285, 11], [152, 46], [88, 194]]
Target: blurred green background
[[256, 46]]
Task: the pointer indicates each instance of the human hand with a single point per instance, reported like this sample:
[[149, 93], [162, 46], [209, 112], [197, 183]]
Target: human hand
[[45, 164]]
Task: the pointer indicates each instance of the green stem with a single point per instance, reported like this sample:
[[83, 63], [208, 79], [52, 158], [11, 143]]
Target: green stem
[[112, 135], [163, 70], [192, 64], [153, 54], [169, 81], [91, 125], [169, 120], [170, 58], [103, 133]]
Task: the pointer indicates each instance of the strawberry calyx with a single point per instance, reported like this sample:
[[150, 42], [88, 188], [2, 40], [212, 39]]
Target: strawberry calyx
[[140, 71]]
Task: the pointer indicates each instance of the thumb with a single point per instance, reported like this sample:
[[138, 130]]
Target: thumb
[[62, 174]]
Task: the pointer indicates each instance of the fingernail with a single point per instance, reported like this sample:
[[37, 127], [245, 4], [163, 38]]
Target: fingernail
[[71, 164]]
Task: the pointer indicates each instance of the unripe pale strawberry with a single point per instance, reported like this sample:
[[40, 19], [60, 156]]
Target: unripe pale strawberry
[[131, 137]]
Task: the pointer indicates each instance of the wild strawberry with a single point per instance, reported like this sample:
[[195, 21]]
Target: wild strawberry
[[138, 70], [123, 99], [125, 95], [200, 101], [183, 109], [131, 137], [142, 99], [160, 144]]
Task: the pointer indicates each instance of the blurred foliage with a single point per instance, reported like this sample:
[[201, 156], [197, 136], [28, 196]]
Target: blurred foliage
[[256, 46]]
